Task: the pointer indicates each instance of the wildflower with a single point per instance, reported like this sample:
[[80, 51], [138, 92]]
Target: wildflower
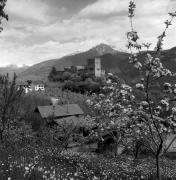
[[167, 85], [26, 168], [102, 95], [165, 104], [89, 102], [138, 65], [174, 110], [75, 174], [123, 92], [110, 74], [144, 103], [140, 86], [126, 87], [95, 178], [108, 81], [133, 58], [174, 91]]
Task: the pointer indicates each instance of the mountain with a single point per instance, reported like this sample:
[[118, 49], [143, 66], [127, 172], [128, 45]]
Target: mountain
[[11, 69], [112, 60], [119, 63], [102, 49], [40, 71]]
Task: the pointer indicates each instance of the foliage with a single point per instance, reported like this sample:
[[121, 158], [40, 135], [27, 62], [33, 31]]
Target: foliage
[[33, 163], [3, 15], [28, 103], [109, 111], [76, 82], [52, 73], [9, 107], [153, 119], [67, 97]]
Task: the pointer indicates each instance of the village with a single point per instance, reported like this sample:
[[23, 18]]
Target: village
[[94, 68]]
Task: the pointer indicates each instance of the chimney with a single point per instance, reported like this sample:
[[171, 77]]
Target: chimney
[[67, 101], [54, 102]]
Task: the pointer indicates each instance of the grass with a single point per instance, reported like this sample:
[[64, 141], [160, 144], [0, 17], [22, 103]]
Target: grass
[[33, 163]]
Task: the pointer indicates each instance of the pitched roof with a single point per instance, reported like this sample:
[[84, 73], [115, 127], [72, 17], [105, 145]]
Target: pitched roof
[[70, 120], [37, 82], [171, 143], [60, 111]]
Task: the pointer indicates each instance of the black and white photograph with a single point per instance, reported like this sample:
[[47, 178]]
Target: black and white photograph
[[87, 89]]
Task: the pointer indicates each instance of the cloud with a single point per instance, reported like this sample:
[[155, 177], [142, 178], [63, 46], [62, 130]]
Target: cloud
[[37, 53], [27, 9], [110, 8], [36, 31], [104, 8]]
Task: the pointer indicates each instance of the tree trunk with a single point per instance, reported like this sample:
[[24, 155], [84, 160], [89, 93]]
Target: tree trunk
[[136, 150], [1, 136], [116, 149], [158, 174], [136, 153]]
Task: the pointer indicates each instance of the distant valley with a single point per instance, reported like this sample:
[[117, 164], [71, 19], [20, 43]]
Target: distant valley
[[11, 69]]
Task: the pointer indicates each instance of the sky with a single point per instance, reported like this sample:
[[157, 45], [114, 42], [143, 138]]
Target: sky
[[40, 30]]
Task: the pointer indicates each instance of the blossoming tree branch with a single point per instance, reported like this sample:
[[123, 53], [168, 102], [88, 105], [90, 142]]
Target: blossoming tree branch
[[155, 118]]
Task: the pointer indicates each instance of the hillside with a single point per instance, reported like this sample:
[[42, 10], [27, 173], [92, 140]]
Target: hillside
[[40, 71], [113, 61]]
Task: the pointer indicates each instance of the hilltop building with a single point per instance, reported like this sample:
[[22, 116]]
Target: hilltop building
[[74, 69], [95, 68]]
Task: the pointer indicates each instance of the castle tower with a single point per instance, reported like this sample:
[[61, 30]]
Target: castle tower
[[95, 67]]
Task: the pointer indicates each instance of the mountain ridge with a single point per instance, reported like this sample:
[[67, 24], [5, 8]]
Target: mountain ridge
[[113, 60], [41, 70]]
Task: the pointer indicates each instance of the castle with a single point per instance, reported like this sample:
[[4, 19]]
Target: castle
[[93, 67]]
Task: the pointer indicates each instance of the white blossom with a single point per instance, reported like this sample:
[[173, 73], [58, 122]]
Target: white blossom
[[140, 86]]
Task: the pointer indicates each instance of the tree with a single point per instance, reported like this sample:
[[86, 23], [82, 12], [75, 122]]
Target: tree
[[29, 82], [9, 106], [52, 74], [3, 15], [152, 118], [109, 110]]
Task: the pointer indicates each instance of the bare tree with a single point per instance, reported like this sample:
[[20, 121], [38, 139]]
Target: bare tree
[[9, 106]]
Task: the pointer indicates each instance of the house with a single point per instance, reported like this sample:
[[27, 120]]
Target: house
[[69, 113], [25, 86], [37, 86], [80, 68], [171, 143]]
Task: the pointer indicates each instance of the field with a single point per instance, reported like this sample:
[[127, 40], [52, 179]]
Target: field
[[34, 164]]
